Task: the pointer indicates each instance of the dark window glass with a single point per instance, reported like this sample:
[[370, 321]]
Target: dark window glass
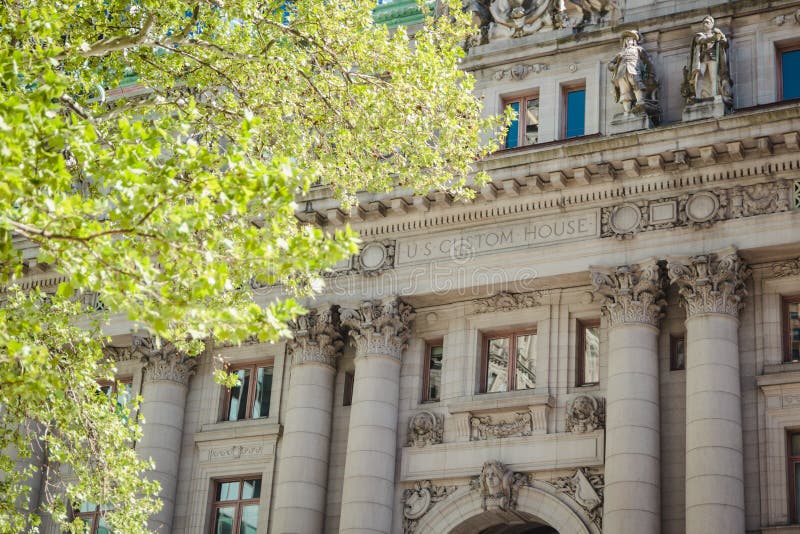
[[524, 130], [791, 328], [677, 361], [501, 371], [432, 380], [236, 506], [790, 74], [512, 139], [793, 457], [250, 399], [349, 379], [575, 113], [93, 518], [588, 353]]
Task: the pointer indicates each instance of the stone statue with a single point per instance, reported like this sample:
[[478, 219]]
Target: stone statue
[[585, 414], [481, 17], [634, 77], [516, 18], [707, 75]]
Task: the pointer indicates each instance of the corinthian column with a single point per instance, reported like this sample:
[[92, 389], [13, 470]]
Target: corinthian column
[[303, 464], [633, 304], [712, 287], [166, 381], [380, 331]]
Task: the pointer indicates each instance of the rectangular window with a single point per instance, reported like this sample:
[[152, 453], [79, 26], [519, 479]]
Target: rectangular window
[[92, 516], [347, 398], [235, 509], [574, 110], [789, 74], [791, 328], [509, 361], [250, 399], [524, 129], [588, 352], [677, 352], [432, 371], [119, 394]]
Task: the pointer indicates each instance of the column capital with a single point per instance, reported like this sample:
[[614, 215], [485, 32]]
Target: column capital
[[710, 283], [317, 338], [162, 360], [631, 293], [379, 327]]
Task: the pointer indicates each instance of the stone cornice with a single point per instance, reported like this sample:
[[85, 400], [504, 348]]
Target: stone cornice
[[632, 293], [317, 338], [162, 360], [379, 327], [710, 283]]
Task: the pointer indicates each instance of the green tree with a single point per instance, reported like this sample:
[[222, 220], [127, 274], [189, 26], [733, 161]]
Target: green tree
[[170, 204]]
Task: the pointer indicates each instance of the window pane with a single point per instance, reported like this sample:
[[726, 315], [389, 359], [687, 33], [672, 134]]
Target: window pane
[[228, 491], [576, 111], [532, 121], [251, 489], [497, 366], [512, 138], [263, 390], [238, 405], [124, 395], [435, 373], [249, 523], [102, 526], [223, 521], [797, 487], [526, 362], [795, 444], [87, 507], [790, 71], [793, 326], [591, 354], [679, 354]]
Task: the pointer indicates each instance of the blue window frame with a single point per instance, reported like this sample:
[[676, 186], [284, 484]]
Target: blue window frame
[[524, 129], [790, 74], [575, 111]]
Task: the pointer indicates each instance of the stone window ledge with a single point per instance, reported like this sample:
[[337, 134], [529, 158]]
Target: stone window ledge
[[785, 529], [492, 402], [267, 426], [775, 375]]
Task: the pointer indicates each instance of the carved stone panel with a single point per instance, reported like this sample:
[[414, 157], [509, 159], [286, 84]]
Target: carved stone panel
[[506, 301], [418, 501], [425, 428], [483, 427], [586, 489], [585, 414]]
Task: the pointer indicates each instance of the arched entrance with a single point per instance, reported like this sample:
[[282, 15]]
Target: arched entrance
[[539, 510]]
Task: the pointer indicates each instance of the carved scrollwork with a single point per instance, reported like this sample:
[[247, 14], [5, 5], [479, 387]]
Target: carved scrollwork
[[425, 428], [417, 501], [379, 327], [710, 283], [483, 427], [779, 269], [585, 414], [507, 301], [632, 293], [317, 338], [586, 489]]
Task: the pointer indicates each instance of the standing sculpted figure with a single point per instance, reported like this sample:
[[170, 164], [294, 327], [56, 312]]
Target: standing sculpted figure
[[707, 74], [634, 76]]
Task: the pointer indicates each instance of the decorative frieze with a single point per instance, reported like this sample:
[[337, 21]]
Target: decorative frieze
[[780, 269], [236, 452], [483, 427], [418, 500], [586, 489], [710, 283], [632, 293], [317, 338], [425, 428], [585, 414], [162, 360], [379, 327], [507, 301], [521, 71], [698, 210]]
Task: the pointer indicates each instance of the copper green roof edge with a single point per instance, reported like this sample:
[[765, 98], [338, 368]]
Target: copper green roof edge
[[398, 13]]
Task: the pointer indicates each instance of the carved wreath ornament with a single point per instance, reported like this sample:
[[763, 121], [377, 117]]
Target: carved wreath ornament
[[425, 428]]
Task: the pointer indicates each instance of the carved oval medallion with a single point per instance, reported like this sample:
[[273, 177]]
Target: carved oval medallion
[[372, 256], [702, 207], [625, 219], [417, 503]]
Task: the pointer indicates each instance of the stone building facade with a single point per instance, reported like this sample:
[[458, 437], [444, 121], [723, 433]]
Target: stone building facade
[[605, 340]]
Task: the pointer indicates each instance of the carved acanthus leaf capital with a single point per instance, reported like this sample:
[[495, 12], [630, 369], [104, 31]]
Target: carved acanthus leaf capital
[[379, 327], [710, 283], [317, 338], [162, 360], [631, 293]]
